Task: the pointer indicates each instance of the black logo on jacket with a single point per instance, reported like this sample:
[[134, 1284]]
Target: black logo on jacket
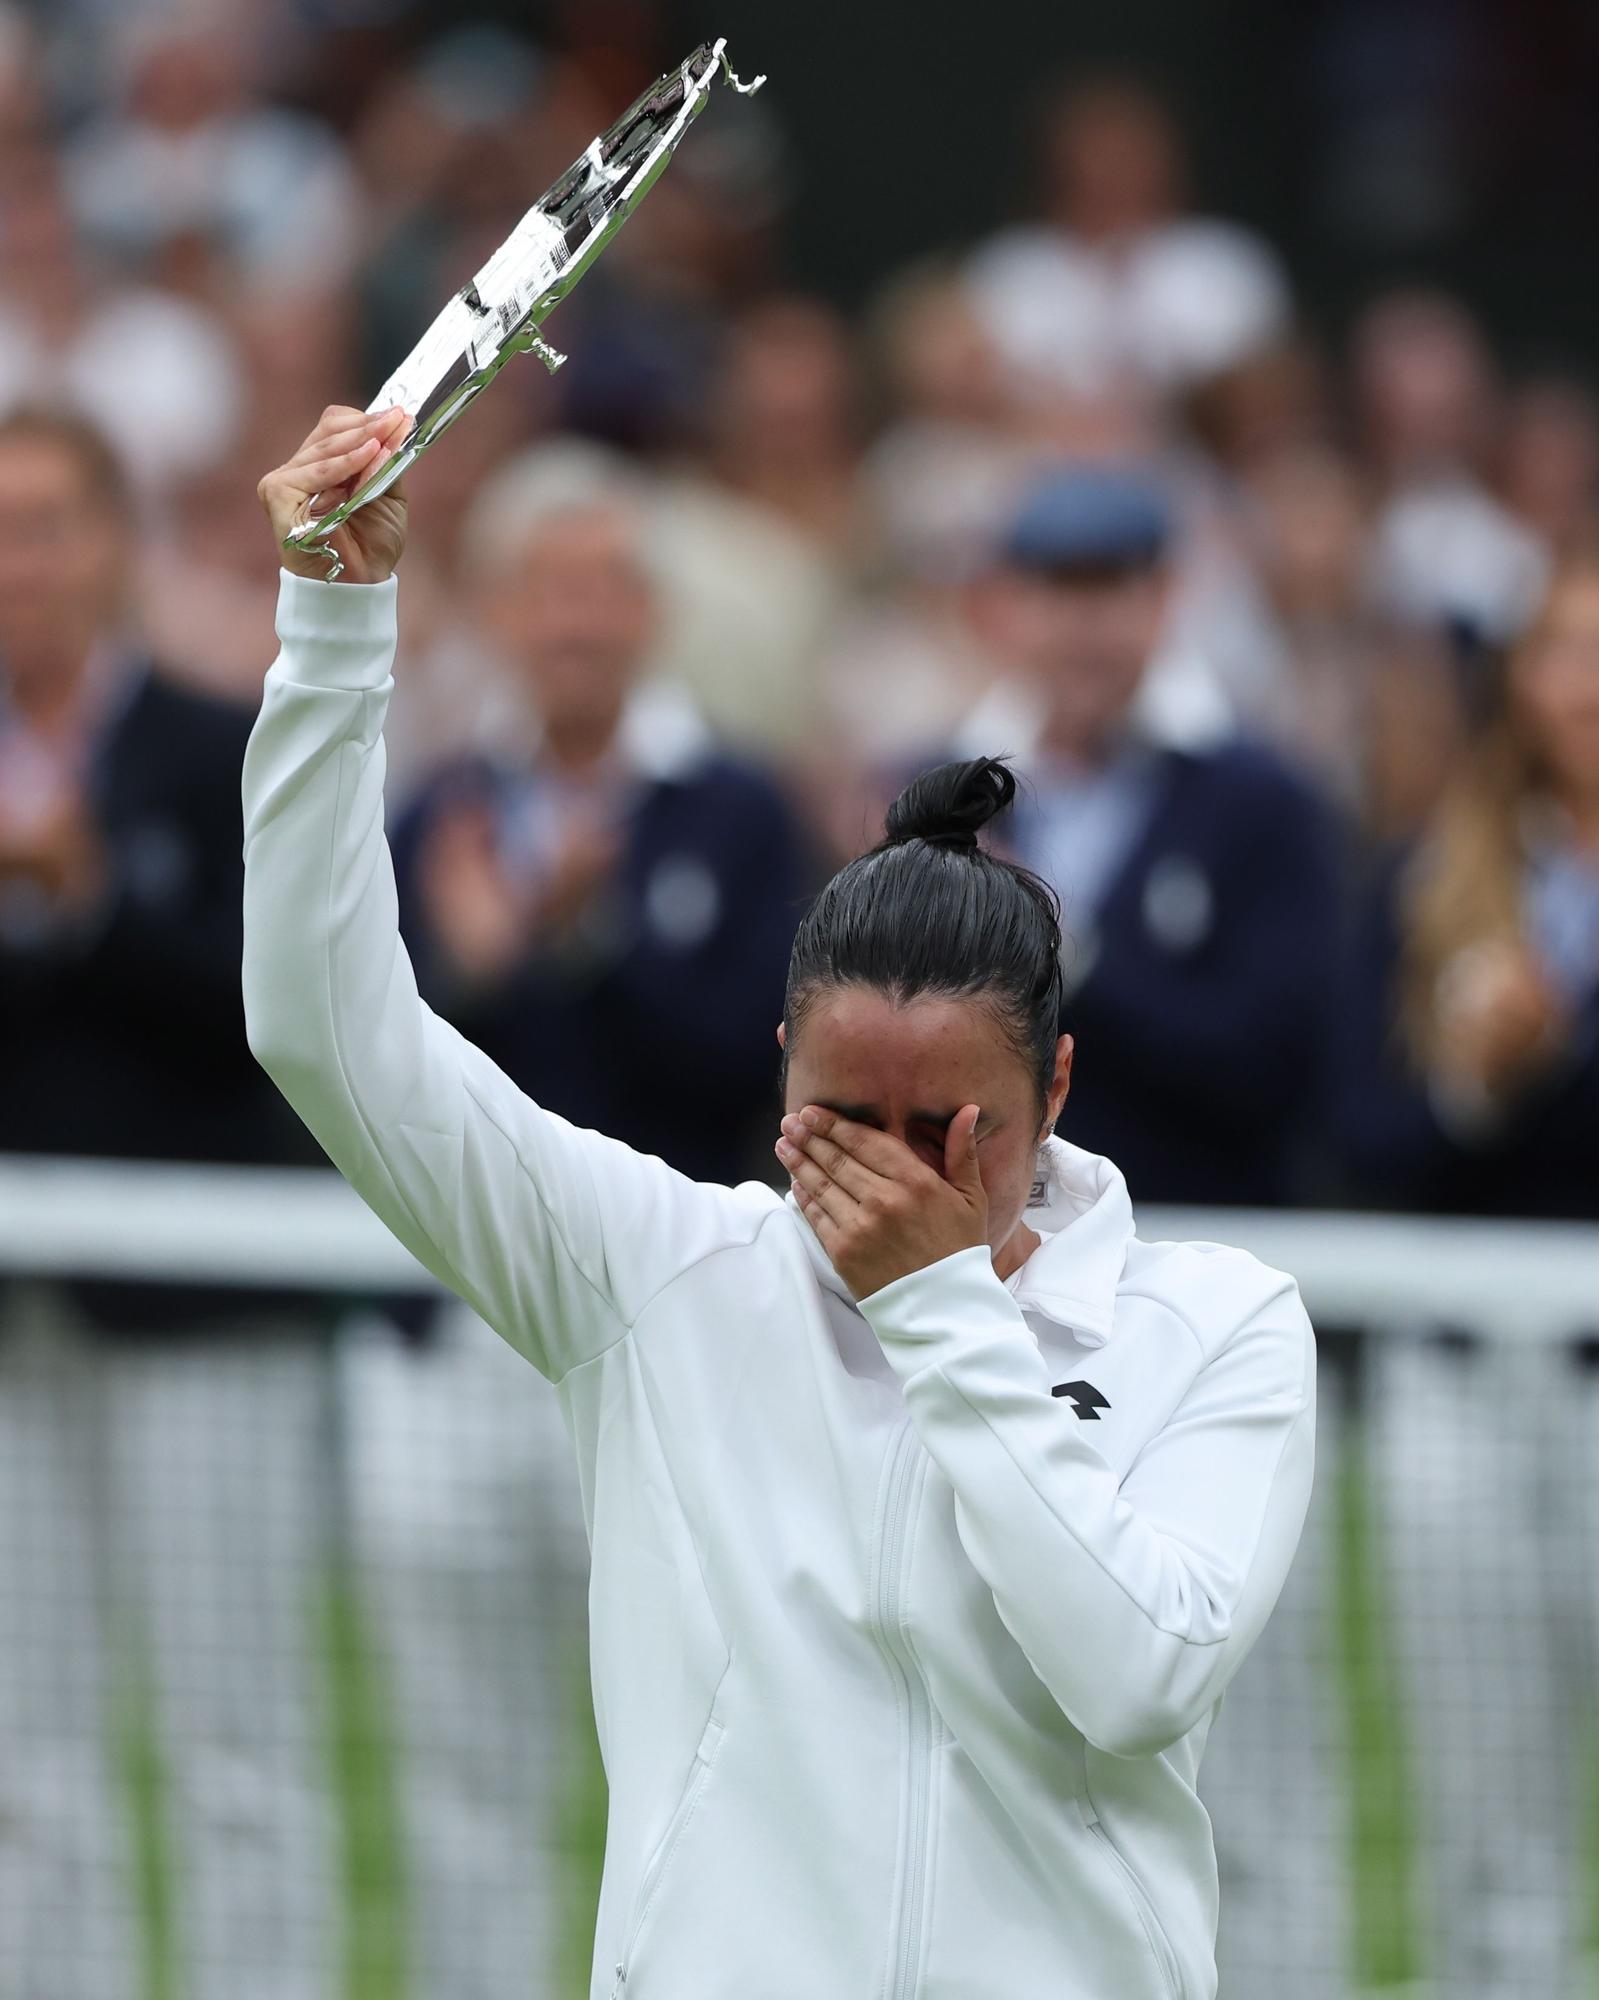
[[1086, 1399]]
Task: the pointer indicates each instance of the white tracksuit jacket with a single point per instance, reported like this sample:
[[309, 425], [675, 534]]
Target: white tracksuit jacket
[[903, 1662]]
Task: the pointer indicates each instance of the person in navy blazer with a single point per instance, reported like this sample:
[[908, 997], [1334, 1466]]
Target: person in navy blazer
[[1198, 875], [647, 1010], [603, 900]]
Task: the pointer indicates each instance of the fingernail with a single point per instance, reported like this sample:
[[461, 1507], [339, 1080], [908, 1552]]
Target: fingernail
[[811, 1117], [784, 1151], [790, 1124]]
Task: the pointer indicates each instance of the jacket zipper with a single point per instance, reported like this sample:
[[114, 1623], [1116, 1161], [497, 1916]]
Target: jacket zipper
[[655, 1874], [903, 1481], [1148, 1920]]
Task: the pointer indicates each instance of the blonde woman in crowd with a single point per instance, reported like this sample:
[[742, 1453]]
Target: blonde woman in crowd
[[1474, 1087]]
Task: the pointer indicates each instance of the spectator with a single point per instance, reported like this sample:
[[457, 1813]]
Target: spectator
[[189, 171], [573, 897], [747, 603], [1195, 873], [158, 374], [1472, 1085], [1268, 409], [903, 663], [1429, 402], [1550, 478], [1367, 706], [1276, 401], [138, 1422], [950, 423], [23, 98], [1116, 282], [1473, 1078], [787, 421]]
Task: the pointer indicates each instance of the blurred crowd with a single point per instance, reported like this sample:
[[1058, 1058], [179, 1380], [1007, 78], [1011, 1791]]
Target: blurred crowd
[[1292, 632], [1309, 736]]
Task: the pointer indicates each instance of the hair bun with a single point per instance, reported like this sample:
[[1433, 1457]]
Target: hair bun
[[951, 804]]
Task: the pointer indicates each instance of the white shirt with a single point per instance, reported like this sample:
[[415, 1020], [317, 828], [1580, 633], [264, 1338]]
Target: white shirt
[[1181, 302]]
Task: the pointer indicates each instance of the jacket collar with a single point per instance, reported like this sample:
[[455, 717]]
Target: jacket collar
[[1084, 1218]]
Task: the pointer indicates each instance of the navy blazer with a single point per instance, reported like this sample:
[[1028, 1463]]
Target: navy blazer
[[1201, 1015], [1541, 1160], [126, 1039], [665, 1037]]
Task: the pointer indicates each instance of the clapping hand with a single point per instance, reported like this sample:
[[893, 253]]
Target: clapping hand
[[56, 846], [1498, 1021], [483, 917]]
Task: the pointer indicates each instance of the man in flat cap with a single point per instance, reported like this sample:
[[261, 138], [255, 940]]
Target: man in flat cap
[[1196, 874]]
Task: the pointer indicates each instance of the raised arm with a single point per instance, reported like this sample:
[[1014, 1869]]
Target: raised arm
[[555, 1235]]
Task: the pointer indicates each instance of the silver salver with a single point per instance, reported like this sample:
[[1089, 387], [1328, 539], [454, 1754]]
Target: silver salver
[[501, 310]]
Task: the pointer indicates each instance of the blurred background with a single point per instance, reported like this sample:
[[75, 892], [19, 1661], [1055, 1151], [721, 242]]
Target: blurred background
[[1196, 400]]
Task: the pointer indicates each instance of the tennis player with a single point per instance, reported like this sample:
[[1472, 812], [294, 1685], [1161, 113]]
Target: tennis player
[[931, 1510]]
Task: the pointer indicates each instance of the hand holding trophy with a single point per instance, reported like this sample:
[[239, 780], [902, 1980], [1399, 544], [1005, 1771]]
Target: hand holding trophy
[[358, 455], [331, 467]]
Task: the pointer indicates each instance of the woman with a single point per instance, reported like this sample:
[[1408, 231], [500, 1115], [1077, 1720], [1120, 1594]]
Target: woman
[[1473, 1087], [1473, 1075], [930, 1510]]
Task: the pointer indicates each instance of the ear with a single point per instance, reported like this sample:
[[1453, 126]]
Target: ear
[[782, 1036], [1060, 1087]]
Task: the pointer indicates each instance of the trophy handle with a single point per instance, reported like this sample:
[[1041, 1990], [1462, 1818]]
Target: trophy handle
[[719, 54]]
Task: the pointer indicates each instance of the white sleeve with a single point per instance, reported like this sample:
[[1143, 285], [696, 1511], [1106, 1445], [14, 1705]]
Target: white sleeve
[[555, 1235], [1135, 1603]]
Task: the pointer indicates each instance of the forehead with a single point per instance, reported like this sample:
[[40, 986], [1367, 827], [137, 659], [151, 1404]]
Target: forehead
[[858, 1046], [580, 537]]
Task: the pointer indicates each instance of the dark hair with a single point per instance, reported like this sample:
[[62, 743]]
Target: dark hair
[[81, 438], [929, 910]]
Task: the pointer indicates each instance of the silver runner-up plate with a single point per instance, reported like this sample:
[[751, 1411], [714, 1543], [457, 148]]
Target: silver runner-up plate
[[501, 310]]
